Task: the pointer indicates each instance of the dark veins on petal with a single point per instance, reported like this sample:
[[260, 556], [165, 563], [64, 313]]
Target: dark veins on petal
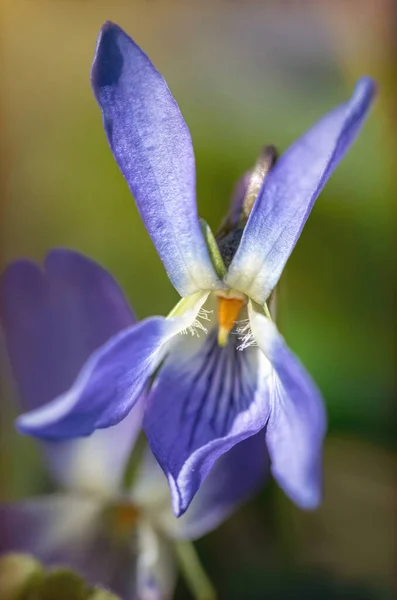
[[220, 387]]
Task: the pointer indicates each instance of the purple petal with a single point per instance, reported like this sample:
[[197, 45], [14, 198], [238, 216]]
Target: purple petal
[[107, 387], [53, 319], [289, 192], [151, 143], [111, 381], [297, 421], [235, 477], [205, 400], [71, 532]]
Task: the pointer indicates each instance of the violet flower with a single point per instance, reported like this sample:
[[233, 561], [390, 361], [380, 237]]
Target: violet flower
[[115, 535], [211, 391]]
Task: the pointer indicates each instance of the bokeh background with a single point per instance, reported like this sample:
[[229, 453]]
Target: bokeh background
[[245, 73]]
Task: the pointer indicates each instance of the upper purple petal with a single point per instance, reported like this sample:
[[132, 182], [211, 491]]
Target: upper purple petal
[[204, 401], [297, 421], [289, 192], [152, 146]]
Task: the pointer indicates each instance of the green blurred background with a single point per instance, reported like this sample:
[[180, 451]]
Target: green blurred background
[[245, 73]]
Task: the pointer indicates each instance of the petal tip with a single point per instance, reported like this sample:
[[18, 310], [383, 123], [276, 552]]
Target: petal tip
[[108, 61], [179, 505], [307, 497], [310, 501], [366, 90], [37, 424], [23, 426]]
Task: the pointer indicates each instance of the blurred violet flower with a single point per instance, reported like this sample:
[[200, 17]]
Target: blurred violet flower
[[117, 535], [212, 389]]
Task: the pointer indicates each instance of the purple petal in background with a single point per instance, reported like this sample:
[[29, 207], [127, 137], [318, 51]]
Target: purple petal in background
[[289, 192], [152, 146], [53, 319], [70, 531], [236, 202]]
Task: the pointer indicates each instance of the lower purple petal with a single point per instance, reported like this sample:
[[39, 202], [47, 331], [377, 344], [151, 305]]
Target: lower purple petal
[[205, 400], [236, 476]]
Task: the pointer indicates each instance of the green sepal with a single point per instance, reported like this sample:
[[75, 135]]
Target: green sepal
[[213, 249], [62, 584], [185, 304], [267, 312]]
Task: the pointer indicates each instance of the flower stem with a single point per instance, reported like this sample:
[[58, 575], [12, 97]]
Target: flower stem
[[193, 571]]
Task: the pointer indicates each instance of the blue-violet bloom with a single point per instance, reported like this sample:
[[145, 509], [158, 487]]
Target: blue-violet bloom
[[114, 533], [234, 376]]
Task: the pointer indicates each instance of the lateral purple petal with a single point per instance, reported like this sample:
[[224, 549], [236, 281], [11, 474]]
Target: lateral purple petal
[[152, 146], [297, 422], [289, 192], [107, 387], [204, 401]]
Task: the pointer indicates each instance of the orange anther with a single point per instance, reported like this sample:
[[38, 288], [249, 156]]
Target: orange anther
[[228, 312]]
